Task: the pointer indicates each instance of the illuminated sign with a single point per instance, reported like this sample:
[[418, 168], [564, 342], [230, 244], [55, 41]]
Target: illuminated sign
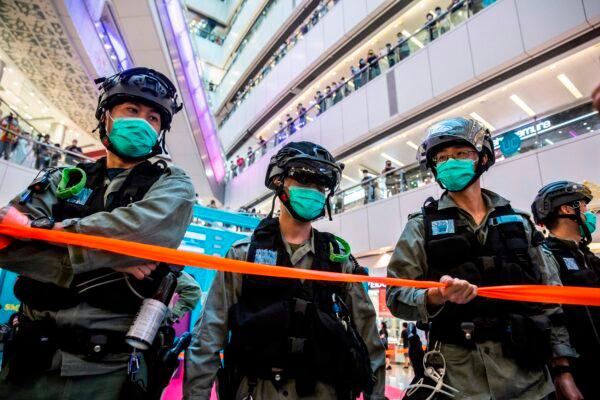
[[526, 131]]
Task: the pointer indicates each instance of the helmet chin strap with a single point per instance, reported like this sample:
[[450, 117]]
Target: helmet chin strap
[[586, 238]]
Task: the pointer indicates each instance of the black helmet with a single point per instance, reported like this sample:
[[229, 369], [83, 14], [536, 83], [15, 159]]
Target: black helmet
[[143, 85], [456, 131], [139, 84], [306, 162], [308, 159], [556, 194]]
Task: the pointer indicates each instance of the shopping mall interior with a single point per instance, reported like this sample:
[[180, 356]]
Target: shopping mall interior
[[362, 78]]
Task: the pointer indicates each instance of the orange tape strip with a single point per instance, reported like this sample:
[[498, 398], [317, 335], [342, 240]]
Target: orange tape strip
[[530, 293]]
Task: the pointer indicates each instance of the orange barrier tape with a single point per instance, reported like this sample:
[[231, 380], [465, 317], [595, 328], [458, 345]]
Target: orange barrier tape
[[530, 293]]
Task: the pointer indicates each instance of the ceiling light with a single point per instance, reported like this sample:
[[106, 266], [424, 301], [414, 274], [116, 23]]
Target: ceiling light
[[413, 39], [107, 46], [348, 178], [518, 101], [482, 121], [550, 142], [569, 85], [392, 159], [412, 144]]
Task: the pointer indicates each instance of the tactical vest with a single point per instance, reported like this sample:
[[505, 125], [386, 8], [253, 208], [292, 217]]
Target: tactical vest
[[579, 267], [302, 329], [453, 249], [104, 288]]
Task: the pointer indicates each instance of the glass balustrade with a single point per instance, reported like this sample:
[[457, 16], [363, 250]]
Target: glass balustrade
[[369, 68], [18, 147]]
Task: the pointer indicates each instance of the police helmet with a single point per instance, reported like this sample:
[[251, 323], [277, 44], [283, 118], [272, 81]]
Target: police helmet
[[556, 194], [143, 85], [306, 162], [452, 132]]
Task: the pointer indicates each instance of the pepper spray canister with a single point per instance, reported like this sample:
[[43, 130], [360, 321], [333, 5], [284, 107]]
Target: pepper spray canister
[[151, 315]]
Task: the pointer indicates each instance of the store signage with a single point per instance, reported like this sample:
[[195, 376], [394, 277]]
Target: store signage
[[510, 144], [524, 132]]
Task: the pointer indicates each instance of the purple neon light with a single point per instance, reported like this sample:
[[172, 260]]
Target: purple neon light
[[194, 84]]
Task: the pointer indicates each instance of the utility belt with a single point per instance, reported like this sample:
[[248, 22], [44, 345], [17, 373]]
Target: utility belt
[[30, 346], [524, 338]]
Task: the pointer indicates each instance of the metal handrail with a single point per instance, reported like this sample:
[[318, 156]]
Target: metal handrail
[[50, 146]]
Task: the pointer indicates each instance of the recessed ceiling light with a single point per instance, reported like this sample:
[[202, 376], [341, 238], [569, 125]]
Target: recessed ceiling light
[[412, 144], [413, 39], [569, 85], [392, 159], [550, 142], [518, 101]]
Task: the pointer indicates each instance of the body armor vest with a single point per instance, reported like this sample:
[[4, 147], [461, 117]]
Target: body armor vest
[[104, 288], [303, 329], [579, 267], [453, 249]]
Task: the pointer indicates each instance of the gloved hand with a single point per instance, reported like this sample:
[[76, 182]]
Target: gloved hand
[[10, 215]]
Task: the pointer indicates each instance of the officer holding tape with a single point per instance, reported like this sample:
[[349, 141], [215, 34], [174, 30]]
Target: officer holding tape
[[484, 348], [287, 338], [78, 303]]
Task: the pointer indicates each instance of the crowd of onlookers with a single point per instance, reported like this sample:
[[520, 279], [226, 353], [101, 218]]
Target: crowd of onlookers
[[367, 68], [20, 147]]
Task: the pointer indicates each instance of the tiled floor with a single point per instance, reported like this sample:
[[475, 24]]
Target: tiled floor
[[396, 381]]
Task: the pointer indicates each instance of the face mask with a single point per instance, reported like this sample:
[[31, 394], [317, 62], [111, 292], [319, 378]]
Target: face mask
[[307, 203], [454, 175], [590, 222], [132, 137]]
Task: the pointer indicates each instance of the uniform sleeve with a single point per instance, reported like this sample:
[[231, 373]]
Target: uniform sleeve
[[363, 315], [38, 260], [160, 218], [559, 335], [409, 262], [202, 360], [189, 294]]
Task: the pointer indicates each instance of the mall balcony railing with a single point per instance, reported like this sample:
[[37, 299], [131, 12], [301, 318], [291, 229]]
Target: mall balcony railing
[[321, 10], [19, 148], [196, 26], [367, 70], [403, 179]]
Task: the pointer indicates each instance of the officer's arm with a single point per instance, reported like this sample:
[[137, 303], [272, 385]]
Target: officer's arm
[[202, 360], [365, 318], [559, 335], [189, 294], [160, 218], [35, 259], [409, 262]]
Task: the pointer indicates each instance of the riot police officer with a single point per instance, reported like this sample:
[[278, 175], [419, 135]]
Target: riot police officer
[[471, 237], [78, 303], [287, 338], [561, 207]]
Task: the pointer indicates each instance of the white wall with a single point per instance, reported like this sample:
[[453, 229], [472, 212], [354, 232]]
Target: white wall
[[336, 25], [518, 179], [13, 180]]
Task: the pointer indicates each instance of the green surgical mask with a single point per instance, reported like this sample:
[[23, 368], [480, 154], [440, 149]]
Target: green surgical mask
[[132, 137], [590, 222], [455, 175], [307, 203]]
